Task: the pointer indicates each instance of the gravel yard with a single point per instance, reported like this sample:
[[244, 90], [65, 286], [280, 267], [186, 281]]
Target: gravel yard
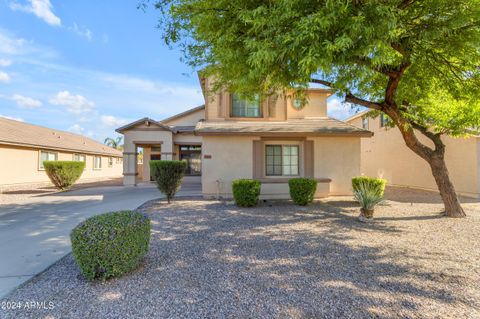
[[21, 195], [212, 259]]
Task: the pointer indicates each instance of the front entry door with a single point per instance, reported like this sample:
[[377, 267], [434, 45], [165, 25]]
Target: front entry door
[[192, 154]]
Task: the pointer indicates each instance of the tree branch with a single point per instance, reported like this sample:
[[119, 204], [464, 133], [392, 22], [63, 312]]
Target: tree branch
[[349, 97], [318, 81]]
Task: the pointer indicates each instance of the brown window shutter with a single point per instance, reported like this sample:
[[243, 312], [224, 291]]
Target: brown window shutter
[[257, 159], [308, 163]]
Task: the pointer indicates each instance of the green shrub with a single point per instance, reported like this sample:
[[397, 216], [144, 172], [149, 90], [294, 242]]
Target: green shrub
[[246, 192], [367, 196], [370, 183], [110, 244], [168, 175], [63, 174], [302, 190]]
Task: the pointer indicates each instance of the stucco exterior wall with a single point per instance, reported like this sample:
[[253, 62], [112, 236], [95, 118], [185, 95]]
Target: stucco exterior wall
[[337, 158], [228, 158], [275, 108], [187, 120], [386, 155], [316, 106], [136, 138], [20, 165]]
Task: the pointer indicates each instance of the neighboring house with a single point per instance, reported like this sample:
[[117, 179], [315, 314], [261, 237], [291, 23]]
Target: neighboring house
[[230, 138], [24, 147], [386, 155]]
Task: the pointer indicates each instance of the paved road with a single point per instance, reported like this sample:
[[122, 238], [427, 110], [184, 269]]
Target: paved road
[[35, 233]]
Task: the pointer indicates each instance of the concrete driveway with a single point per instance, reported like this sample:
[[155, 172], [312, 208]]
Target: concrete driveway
[[35, 233]]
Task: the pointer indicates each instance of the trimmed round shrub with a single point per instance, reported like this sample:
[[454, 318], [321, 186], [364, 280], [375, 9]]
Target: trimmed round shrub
[[111, 244], [168, 176], [370, 183], [302, 190], [246, 192], [63, 174]]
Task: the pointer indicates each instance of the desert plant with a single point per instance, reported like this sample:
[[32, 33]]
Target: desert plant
[[110, 244], [368, 193], [246, 192], [302, 190], [376, 183], [168, 176], [63, 174]]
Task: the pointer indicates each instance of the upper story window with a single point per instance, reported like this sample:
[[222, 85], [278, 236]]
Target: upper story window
[[46, 156], [282, 160], [365, 123], [383, 120], [243, 107]]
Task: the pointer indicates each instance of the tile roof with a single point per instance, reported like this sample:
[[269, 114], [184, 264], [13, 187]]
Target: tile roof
[[24, 134], [312, 126]]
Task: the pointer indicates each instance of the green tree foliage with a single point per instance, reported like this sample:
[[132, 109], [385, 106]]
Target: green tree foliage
[[168, 175], [416, 61], [111, 244], [114, 142], [63, 174]]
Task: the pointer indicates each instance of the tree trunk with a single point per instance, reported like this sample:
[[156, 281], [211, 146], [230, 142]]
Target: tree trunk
[[445, 186], [435, 158]]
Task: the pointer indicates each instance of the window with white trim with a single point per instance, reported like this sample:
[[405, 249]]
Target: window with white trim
[[97, 162], [79, 157], [281, 160], [365, 123], [46, 156], [110, 162]]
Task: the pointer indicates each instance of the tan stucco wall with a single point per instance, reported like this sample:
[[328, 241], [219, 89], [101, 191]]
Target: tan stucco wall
[[278, 108], [386, 155], [187, 120], [133, 139], [232, 158], [337, 158], [20, 165], [316, 106]]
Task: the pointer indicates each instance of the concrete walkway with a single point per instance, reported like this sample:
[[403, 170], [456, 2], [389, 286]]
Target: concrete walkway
[[35, 233]]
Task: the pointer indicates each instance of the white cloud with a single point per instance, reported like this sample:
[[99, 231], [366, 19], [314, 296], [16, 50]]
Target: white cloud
[[4, 77], [10, 44], [82, 31], [12, 118], [75, 104], [77, 129], [41, 8], [26, 102], [112, 121], [339, 110], [5, 62]]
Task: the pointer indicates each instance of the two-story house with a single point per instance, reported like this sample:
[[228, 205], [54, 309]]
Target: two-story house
[[230, 138]]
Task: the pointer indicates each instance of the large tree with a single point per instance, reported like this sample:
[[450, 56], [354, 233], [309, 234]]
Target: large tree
[[417, 61]]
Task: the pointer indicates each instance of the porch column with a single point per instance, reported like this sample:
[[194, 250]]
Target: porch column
[[130, 165], [147, 152]]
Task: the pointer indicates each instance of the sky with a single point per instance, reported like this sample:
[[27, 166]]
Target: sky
[[89, 67]]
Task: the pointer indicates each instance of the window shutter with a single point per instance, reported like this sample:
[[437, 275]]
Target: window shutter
[[257, 159], [308, 162]]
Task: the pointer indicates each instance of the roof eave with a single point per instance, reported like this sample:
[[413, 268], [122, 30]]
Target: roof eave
[[286, 134]]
